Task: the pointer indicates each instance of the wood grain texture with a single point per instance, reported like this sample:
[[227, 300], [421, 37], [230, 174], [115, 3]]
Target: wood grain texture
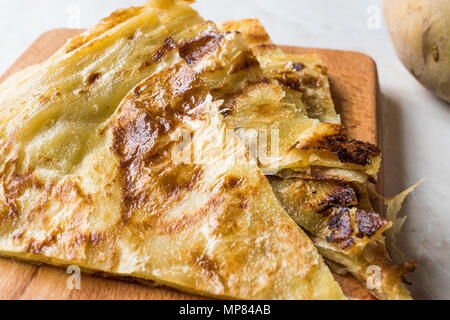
[[354, 83]]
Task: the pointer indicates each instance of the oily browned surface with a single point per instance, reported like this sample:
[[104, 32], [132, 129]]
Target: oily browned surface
[[354, 85]]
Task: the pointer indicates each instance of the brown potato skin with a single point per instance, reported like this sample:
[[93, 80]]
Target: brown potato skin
[[420, 31]]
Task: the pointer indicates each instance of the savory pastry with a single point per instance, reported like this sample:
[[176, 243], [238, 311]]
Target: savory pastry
[[106, 185], [254, 103], [304, 74], [315, 87], [345, 229], [333, 205], [261, 93], [117, 156]]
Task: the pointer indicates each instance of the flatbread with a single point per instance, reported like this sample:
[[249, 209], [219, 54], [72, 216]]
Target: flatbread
[[94, 173], [333, 205], [256, 99]]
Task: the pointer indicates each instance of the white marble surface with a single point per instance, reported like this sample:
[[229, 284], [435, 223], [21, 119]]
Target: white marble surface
[[416, 130]]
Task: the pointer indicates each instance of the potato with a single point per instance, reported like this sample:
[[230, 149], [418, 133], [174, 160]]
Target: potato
[[420, 31]]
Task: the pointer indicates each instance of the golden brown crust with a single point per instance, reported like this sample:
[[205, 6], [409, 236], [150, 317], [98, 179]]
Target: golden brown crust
[[347, 150], [142, 130], [327, 209], [167, 47], [327, 137], [106, 24], [152, 192], [341, 228], [340, 223], [91, 181], [169, 101], [193, 50], [315, 87], [369, 223]]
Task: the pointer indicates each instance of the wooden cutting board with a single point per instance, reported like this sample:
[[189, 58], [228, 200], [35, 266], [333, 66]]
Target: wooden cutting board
[[354, 83]]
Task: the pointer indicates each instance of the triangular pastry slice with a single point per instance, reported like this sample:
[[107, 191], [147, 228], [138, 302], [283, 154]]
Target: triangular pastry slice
[[316, 194], [254, 102], [306, 74], [153, 188], [315, 87], [230, 71], [333, 205]]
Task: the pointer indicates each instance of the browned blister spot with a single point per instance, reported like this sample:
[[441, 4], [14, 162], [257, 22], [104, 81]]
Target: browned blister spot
[[181, 179], [142, 133], [232, 182], [289, 79], [369, 222], [347, 150], [207, 266], [93, 78], [298, 66], [38, 247], [167, 47], [14, 185], [341, 196], [193, 50], [344, 231], [52, 239], [341, 226], [69, 190], [245, 61], [205, 263]]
